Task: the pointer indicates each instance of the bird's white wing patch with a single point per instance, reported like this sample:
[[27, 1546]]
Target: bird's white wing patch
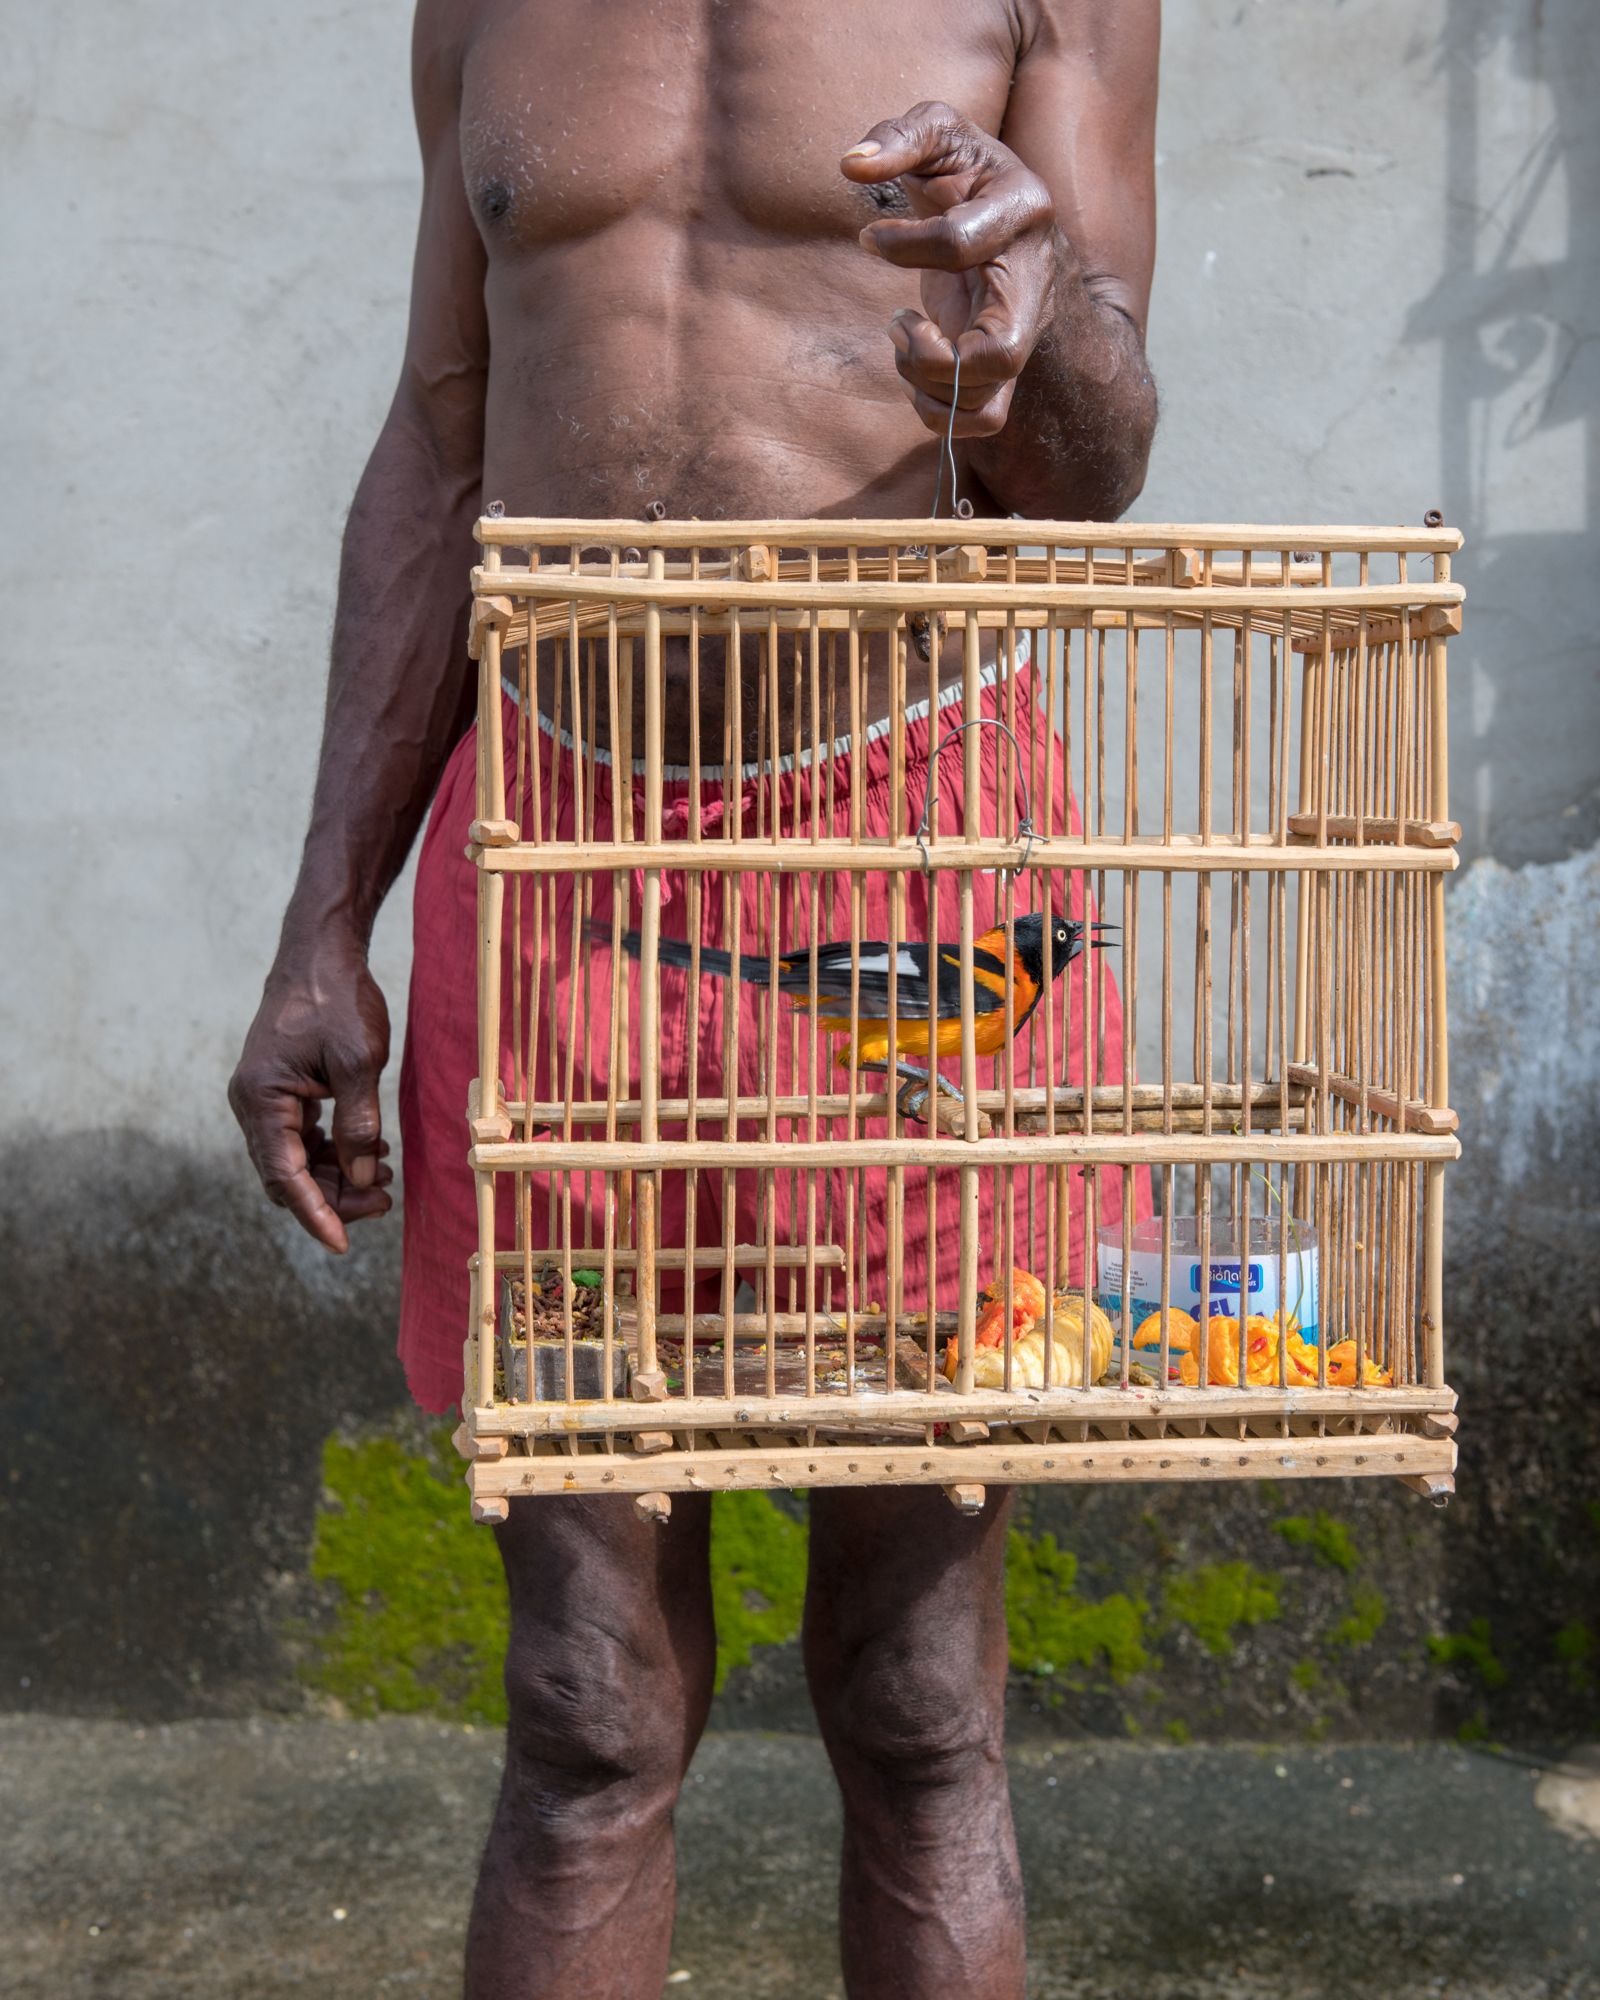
[[905, 963]]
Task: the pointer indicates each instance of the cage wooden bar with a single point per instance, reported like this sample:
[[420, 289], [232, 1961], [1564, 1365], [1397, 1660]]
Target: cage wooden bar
[[935, 979]]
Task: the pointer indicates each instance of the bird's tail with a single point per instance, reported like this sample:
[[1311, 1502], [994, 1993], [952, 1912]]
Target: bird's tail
[[754, 970]]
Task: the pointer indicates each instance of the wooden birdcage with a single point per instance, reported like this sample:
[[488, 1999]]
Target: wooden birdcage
[[716, 1248]]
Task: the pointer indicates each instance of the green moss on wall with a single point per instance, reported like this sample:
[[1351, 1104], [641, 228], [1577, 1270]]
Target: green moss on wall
[[417, 1621], [758, 1576], [1053, 1627], [1328, 1539], [1214, 1599], [419, 1600], [1577, 1649], [1368, 1610], [1472, 1649]]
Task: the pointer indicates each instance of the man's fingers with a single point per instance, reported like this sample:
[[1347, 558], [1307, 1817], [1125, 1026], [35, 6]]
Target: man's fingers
[[350, 1201], [931, 138], [972, 233], [983, 419], [357, 1121], [926, 357], [352, 1204], [990, 363], [992, 217], [277, 1122], [311, 1040], [310, 1207]]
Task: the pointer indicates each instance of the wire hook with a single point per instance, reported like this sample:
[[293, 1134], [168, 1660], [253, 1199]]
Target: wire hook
[[947, 450], [1026, 832]]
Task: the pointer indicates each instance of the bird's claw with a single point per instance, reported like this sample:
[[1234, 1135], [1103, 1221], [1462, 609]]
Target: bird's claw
[[911, 1099]]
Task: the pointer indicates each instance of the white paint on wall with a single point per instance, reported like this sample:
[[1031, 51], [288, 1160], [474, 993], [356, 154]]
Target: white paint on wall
[[1375, 295], [207, 236], [1524, 1026]]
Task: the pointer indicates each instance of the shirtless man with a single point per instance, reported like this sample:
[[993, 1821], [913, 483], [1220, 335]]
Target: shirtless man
[[645, 274]]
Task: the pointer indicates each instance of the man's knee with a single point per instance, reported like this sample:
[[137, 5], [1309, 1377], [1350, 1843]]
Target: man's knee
[[587, 1734], [921, 1721]]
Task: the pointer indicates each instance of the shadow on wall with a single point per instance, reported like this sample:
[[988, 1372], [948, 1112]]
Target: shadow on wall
[[1517, 316]]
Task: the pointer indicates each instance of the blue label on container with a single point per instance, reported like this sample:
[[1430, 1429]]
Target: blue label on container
[[1225, 1277]]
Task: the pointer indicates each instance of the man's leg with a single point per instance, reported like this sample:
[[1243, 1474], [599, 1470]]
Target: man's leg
[[608, 1675], [905, 1646]]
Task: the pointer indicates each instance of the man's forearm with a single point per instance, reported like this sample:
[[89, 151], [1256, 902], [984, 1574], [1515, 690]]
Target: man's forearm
[[400, 686], [1077, 439]]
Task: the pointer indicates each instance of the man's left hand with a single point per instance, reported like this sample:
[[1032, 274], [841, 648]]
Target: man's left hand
[[984, 240]]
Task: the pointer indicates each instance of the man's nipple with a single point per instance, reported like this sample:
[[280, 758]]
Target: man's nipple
[[494, 200]]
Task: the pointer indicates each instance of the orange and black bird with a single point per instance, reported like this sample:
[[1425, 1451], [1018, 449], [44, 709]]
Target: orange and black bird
[[1021, 946]]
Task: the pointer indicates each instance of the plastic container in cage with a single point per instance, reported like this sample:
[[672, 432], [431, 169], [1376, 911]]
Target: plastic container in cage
[[1276, 1275]]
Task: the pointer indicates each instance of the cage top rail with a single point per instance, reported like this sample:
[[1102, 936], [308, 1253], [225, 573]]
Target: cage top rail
[[1109, 1149], [497, 849], [520, 531], [916, 593]]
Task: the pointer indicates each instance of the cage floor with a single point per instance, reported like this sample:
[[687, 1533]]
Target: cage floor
[[728, 1460], [844, 1390]]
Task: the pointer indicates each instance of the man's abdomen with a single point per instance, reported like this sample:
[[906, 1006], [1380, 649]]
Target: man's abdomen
[[774, 398]]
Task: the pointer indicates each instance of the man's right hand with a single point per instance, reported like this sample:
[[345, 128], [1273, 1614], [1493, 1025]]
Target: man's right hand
[[322, 1031]]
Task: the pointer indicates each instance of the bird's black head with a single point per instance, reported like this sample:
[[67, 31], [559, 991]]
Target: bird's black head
[[1066, 941]]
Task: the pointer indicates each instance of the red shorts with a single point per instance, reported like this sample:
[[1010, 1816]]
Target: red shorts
[[573, 1047]]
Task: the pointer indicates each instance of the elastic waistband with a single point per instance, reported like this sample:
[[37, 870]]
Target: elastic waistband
[[841, 746]]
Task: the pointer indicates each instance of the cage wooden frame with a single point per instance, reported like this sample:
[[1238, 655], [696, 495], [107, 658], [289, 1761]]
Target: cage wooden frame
[[1312, 666]]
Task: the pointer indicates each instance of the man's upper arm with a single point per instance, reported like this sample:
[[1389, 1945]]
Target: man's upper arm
[[1082, 114], [445, 372]]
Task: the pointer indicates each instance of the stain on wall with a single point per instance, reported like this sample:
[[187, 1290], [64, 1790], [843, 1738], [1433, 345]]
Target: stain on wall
[[173, 1364]]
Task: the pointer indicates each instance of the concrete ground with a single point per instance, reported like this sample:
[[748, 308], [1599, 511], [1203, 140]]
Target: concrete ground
[[252, 1861]]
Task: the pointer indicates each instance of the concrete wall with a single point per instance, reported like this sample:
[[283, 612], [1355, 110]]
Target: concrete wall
[[1377, 294]]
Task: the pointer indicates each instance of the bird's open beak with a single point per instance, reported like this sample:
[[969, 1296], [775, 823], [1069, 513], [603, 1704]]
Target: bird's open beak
[[1103, 943]]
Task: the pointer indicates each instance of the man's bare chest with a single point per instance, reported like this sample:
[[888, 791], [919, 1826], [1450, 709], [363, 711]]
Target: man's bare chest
[[575, 116]]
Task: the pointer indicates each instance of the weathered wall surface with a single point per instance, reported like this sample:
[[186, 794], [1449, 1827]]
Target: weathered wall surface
[[1377, 294]]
